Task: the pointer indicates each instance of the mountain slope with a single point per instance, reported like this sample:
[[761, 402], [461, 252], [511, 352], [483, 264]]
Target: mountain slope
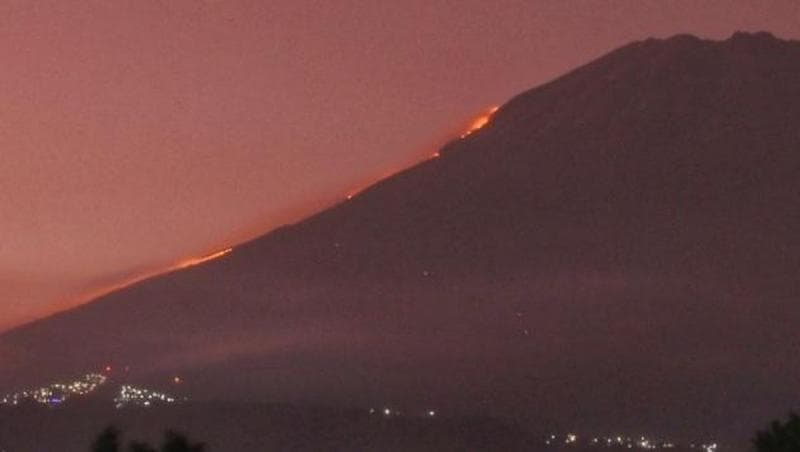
[[615, 249]]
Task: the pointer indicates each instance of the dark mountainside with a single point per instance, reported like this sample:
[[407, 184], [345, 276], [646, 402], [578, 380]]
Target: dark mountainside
[[617, 250]]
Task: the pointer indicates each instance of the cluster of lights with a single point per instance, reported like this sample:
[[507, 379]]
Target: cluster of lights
[[388, 412], [56, 393], [133, 396], [621, 441]]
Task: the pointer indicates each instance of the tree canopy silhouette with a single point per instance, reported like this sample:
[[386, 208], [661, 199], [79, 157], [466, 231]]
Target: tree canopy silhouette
[[176, 442], [109, 441], [780, 437], [139, 446]]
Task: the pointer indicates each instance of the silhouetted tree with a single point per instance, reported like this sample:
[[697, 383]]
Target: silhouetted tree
[[107, 440], [138, 446], [780, 437], [176, 442]]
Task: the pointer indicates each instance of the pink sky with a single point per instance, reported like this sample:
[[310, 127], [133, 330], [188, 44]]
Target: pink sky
[[135, 134]]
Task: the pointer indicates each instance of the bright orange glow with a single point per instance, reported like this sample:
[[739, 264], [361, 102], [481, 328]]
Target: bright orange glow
[[479, 122], [137, 277], [199, 260], [476, 124]]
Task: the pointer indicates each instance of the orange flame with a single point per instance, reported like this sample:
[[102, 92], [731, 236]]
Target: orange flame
[[479, 122], [199, 260], [92, 294], [476, 124]]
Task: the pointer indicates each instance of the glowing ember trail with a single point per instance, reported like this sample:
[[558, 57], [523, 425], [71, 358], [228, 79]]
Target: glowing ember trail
[[476, 124], [97, 293], [480, 121], [199, 260]]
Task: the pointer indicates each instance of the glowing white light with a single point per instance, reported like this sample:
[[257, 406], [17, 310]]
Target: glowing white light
[[571, 438]]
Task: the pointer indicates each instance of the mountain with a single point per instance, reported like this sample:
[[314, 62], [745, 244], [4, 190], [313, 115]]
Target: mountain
[[616, 249]]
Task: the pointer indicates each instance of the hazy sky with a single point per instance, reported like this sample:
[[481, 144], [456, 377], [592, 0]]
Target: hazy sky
[[134, 134]]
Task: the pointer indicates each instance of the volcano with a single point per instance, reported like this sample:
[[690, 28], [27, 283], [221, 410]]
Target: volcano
[[615, 250]]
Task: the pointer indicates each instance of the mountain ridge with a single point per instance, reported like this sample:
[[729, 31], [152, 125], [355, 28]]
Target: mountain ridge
[[601, 244]]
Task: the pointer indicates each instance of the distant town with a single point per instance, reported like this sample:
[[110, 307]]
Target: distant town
[[624, 441], [127, 395], [58, 393]]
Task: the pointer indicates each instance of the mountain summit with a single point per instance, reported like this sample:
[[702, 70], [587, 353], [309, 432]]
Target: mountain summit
[[615, 249]]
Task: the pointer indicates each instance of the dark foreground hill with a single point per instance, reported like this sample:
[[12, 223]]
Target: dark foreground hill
[[237, 427], [617, 249], [240, 427]]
